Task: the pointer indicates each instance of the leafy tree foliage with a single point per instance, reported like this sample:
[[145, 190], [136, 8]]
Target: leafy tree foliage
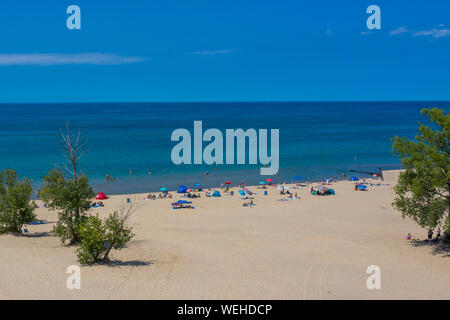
[[71, 198], [15, 207], [99, 237], [423, 189]]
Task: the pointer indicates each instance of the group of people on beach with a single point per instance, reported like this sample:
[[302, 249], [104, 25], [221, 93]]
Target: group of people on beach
[[193, 195], [97, 204], [159, 196], [430, 236]]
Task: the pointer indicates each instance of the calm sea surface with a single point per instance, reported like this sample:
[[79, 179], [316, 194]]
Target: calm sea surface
[[317, 139]]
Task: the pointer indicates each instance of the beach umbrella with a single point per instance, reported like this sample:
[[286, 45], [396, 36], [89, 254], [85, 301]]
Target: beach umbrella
[[262, 182], [280, 187], [101, 196], [189, 190], [299, 178], [362, 187], [163, 189], [287, 187], [354, 179], [182, 189], [197, 185], [227, 182]]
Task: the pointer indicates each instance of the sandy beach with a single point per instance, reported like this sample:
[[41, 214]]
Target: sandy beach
[[316, 247]]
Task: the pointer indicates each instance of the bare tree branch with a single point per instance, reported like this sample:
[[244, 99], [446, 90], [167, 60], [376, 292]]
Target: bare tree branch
[[72, 149]]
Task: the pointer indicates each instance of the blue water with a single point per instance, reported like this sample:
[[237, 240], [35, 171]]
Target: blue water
[[317, 139]]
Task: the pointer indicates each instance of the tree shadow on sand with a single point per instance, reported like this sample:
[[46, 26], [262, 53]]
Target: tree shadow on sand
[[38, 234], [131, 263], [437, 247]]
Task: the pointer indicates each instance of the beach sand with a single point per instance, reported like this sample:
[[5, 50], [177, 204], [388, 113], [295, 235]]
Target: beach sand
[[318, 247]]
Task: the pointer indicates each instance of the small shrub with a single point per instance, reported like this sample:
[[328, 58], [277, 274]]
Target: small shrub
[[15, 207], [99, 237]]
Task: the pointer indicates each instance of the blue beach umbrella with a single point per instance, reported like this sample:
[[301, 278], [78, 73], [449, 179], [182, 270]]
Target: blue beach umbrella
[[197, 184], [353, 179], [362, 187], [163, 189], [262, 182]]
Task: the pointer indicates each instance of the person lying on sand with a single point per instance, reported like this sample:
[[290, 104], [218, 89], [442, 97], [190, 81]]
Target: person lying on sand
[[248, 204]]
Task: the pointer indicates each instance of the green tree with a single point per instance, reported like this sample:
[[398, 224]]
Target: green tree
[[99, 237], [423, 188], [68, 192], [70, 197], [15, 207]]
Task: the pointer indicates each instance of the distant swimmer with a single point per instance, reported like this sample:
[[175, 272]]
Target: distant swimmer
[[207, 173], [131, 172]]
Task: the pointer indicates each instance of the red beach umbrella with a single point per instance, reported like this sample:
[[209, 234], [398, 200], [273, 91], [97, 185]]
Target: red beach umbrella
[[269, 180], [101, 196], [227, 182]]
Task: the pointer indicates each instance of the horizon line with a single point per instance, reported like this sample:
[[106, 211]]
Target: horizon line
[[218, 101]]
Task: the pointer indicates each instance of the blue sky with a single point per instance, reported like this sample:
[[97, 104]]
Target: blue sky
[[208, 50]]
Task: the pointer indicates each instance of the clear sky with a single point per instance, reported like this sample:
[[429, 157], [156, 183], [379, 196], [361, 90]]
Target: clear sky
[[227, 50]]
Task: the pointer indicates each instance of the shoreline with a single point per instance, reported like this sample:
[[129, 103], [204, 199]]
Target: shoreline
[[308, 182], [148, 185]]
